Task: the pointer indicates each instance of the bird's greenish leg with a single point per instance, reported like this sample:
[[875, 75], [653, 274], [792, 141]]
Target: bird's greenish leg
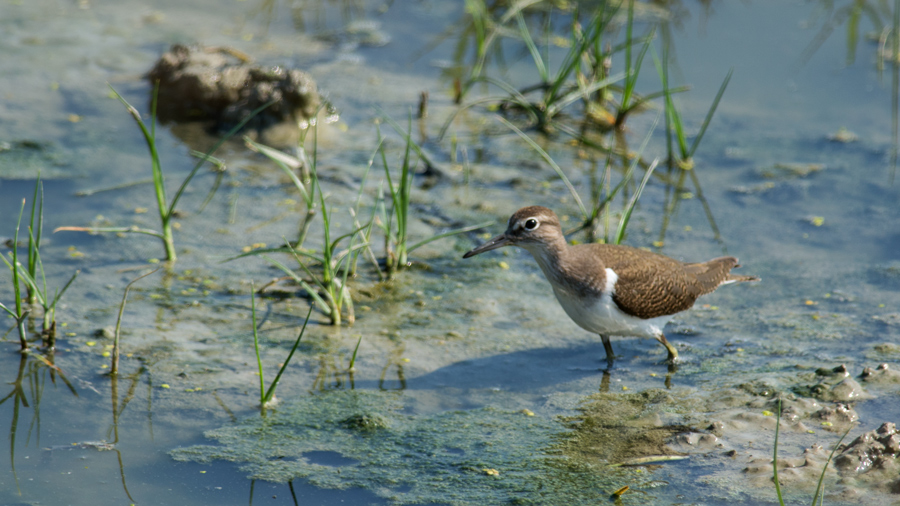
[[673, 353]]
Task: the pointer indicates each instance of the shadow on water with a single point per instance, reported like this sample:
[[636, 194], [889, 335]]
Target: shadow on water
[[540, 369]]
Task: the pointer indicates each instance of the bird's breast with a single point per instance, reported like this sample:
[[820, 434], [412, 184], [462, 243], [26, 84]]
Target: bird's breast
[[599, 313]]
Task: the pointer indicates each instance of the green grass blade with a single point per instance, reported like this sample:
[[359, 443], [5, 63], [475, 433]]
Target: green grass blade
[[64, 288], [631, 168], [678, 126], [353, 357], [634, 72], [386, 165], [34, 236], [485, 41], [114, 366], [262, 381], [218, 163], [673, 119], [626, 216], [820, 486], [343, 265], [159, 185], [280, 249], [367, 236], [476, 9], [8, 310], [406, 136], [405, 190], [15, 264], [220, 168], [572, 96], [709, 113], [775, 456], [595, 28], [212, 150], [365, 176], [313, 293], [852, 34], [456, 231], [271, 391], [287, 163], [665, 93], [340, 238], [532, 48], [629, 31], [643, 99], [30, 281], [114, 230], [550, 161]]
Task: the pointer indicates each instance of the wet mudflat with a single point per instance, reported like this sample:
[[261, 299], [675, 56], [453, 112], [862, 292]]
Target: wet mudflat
[[470, 385]]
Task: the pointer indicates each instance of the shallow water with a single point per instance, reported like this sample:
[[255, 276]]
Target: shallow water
[[449, 345]]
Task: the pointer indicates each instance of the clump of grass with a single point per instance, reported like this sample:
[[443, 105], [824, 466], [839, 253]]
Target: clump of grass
[[390, 214], [328, 286], [324, 273], [165, 206], [335, 269], [395, 224], [267, 395], [33, 275], [582, 74]]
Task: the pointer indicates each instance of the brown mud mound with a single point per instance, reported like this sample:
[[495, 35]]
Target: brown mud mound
[[221, 84]]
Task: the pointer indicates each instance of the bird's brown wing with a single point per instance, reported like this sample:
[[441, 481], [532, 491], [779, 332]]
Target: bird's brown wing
[[650, 290], [657, 285]]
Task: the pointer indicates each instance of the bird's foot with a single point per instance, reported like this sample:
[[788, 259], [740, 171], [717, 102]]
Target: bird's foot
[[609, 365], [672, 367], [672, 360]]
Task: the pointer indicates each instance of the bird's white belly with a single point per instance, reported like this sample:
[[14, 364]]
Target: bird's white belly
[[602, 316]]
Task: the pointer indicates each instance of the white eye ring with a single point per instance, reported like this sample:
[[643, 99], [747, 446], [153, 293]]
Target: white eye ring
[[531, 224]]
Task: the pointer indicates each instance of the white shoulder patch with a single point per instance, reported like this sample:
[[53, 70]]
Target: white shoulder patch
[[611, 278]]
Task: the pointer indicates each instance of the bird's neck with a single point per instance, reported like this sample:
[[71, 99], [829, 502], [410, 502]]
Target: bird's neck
[[575, 269], [553, 258]]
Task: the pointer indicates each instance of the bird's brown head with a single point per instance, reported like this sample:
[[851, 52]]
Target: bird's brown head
[[529, 226]]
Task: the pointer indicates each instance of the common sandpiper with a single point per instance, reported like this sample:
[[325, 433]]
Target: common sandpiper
[[612, 290]]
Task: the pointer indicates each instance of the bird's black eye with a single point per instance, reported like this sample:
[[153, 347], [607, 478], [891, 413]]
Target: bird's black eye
[[531, 224]]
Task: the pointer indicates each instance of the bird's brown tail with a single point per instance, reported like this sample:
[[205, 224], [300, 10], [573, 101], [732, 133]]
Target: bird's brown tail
[[717, 272], [736, 278]]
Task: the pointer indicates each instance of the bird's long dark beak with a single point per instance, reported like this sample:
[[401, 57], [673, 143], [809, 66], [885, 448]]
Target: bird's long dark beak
[[496, 242]]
